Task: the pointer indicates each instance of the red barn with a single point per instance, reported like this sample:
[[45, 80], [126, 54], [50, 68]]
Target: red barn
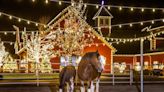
[[100, 43]]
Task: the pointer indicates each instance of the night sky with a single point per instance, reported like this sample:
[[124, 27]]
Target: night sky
[[33, 11]]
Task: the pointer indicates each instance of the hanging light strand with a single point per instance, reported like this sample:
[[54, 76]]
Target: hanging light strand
[[113, 6], [124, 40], [20, 19], [134, 23], [45, 25]]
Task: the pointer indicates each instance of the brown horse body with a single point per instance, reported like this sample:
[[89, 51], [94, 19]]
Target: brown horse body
[[86, 69], [89, 69], [67, 75]]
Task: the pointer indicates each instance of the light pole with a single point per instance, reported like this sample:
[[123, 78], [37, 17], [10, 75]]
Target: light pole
[[141, 61]]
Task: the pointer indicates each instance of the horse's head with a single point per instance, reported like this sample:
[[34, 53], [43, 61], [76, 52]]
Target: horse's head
[[97, 61]]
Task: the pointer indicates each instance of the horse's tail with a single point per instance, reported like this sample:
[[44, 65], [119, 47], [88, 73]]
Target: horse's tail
[[62, 78]]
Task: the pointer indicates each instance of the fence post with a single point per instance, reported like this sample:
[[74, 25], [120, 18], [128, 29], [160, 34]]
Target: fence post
[[37, 73], [131, 75], [113, 77]]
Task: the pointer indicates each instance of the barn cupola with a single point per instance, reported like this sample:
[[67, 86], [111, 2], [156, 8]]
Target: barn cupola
[[103, 20]]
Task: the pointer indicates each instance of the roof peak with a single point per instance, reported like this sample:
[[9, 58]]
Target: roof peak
[[99, 12]]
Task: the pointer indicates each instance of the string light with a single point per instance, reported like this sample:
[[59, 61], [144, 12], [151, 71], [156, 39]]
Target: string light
[[118, 40], [108, 7], [153, 10], [72, 4], [19, 20], [120, 8], [60, 3], [163, 20], [131, 9], [13, 33], [5, 33], [36, 24], [97, 6], [120, 26], [131, 25], [142, 9], [141, 23], [33, 0], [112, 6], [10, 17], [85, 5], [46, 1], [45, 26], [28, 22], [152, 22], [11, 43]]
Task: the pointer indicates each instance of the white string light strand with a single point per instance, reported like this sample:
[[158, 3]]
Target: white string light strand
[[112, 6], [21, 19], [133, 23], [124, 40], [115, 25], [115, 40]]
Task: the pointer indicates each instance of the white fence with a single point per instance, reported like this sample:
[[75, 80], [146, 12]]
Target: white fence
[[38, 77]]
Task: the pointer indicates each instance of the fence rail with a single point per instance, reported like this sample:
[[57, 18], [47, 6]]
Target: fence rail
[[39, 76]]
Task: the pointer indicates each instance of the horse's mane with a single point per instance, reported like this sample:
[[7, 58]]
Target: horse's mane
[[90, 54]]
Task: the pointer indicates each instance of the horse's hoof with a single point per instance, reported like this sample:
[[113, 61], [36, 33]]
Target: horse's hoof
[[89, 90], [82, 89]]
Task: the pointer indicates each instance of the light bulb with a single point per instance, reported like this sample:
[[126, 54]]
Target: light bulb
[[85, 5], [141, 23], [19, 20], [152, 22], [153, 10], [10, 17], [97, 6], [60, 3], [120, 26], [46, 1], [109, 7], [120, 8]]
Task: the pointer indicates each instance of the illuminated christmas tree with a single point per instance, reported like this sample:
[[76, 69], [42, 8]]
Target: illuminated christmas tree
[[6, 61]]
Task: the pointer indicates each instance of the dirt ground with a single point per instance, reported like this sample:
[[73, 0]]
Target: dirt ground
[[106, 88]]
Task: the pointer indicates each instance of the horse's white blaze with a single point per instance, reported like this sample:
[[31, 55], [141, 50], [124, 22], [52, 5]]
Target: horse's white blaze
[[102, 60]]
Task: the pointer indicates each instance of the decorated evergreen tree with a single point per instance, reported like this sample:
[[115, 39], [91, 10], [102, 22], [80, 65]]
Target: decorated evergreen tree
[[7, 63]]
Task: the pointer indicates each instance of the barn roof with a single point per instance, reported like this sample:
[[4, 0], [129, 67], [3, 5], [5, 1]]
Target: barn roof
[[61, 16]]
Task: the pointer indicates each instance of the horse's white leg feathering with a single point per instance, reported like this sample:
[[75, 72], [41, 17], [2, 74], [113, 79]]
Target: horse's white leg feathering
[[72, 84], [60, 90], [97, 85], [68, 88], [89, 90], [82, 88], [92, 87]]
